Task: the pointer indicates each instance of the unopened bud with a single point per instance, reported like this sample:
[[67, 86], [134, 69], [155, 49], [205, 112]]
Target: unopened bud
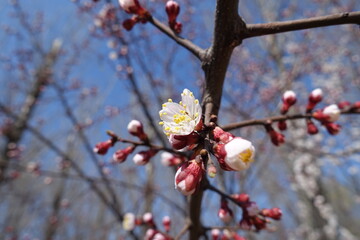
[[133, 7], [344, 104], [332, 128], [148, 219], [167, 223], [222, 136], [276, 138], [136, 129], [143, 157], [172, 9], [314, 98], [289, 99], [252, 209], [103, 147], [282, 125], [188, 177], [215, 233], [311, 127], [168, 159], [120, 155], [241, 198], [128, 24], [225, 213]]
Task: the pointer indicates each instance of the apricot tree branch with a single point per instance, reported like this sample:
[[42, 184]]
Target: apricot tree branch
[[265, 121], [261, 29], [194, 49]]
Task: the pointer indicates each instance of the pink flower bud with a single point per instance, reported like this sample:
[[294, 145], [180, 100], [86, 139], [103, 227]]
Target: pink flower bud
[[135, 128], [330, 113], [129, 222], [314, 98], [356, 106], [276, 138], [133, 7], [187, 142], [150, 234], [160, 236], [274, 213], [289, 99], [259, 223], [120, 155], [222, 136], [143, 157], [225, 213], [168, 159], [128, 24], [253, 209], [241, 198], [167, 223], [215, 233], [332, 128], [188, 177], [235, 155], [172, 9], [343, 104], [311, 127], [33, 167], [148, 219], [103, 147], [282, 125]]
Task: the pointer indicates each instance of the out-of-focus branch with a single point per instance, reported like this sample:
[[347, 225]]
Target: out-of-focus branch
[[74, 165], [14, 131], [261, 29], [194, 49], [87, 144], [265, 121]]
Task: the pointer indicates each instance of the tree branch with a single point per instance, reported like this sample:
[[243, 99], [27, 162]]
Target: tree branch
[[194, 49], [265, 121], [261, 29]]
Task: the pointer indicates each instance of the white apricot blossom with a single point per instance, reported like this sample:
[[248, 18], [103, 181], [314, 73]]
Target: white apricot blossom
[[181, 118]]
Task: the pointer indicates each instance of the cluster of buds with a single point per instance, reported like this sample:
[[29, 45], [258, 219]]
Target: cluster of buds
[[252, 216], [141, 14], [135, 128], [326, 116], [226, 235], [172, 9], [130, 221]]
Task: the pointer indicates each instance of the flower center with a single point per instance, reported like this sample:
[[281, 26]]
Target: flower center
[[245, 156]]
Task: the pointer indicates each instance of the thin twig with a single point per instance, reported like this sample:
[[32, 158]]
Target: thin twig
[[268, 120]]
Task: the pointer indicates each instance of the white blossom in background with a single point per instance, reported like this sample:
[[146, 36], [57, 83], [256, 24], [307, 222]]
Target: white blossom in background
[[181, 118]]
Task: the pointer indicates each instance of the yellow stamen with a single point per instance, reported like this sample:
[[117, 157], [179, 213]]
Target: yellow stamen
[[161, 123], [246, 156], [170, 100], [196, 101]]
